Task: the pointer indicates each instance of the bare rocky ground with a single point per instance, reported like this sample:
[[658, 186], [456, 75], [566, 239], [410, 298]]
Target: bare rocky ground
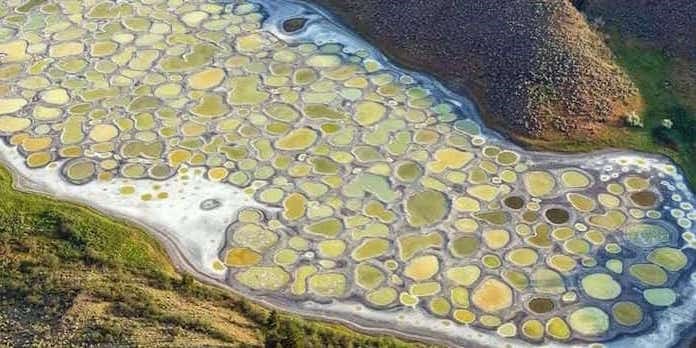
[[535, 68]]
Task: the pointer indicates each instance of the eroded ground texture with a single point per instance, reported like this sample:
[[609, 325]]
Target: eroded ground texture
[[374, 191]]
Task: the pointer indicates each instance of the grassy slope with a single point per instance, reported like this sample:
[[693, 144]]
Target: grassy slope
[[654, 73], [71, 276]]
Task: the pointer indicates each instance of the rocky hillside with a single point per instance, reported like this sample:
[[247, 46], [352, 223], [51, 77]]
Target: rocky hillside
[[535, 68], [667, 24]]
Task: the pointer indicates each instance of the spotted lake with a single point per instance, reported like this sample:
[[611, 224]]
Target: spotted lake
[[279, 155]]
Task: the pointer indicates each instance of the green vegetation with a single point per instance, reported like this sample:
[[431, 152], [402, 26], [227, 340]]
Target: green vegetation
[[70, 276], [667, 119], [656, 75]]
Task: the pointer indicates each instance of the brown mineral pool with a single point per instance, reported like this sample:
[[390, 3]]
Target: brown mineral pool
[[294, 24], [557, 216], [514, 202]]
